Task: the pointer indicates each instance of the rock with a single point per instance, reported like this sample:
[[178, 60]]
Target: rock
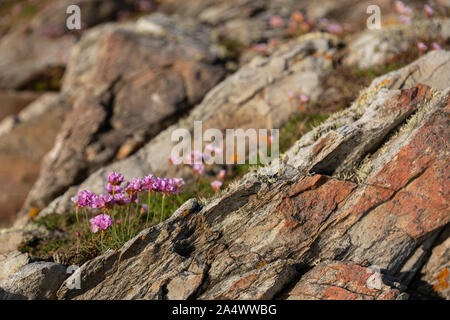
[[257, 96], [432, 281], [35, 281], [24, 140], [377, 47], [31, 51], [338, 280], [422, 70], [25, 231], [24, 58], [14, 101], [262, 283], [365, 188], [11, 263], [124, 83]]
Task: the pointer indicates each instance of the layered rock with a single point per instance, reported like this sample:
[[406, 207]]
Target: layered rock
[[125, 83], [372, 48], [24, 140], [33, 49], [308, 212], [257, 96], [35, 281]]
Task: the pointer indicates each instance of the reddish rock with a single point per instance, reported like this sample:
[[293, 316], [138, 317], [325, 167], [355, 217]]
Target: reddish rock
[[343, 281]]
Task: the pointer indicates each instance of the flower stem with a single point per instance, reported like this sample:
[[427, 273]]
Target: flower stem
[[162, 207], [148, 208]]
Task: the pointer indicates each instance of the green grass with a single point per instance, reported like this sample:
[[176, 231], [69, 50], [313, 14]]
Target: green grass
[[297, 126], [81, 244]]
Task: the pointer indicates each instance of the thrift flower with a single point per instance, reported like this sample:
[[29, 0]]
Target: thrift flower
[[405, 20], [291, 95], [198, 168], [85, 198], [276, 22], [121, 199], [297, 16], [113, 189], [436, 47], [147, 182], [422, 47], [102, 201], [100, 222], [178, 182], [134, 186], [115, 178], [428, 10], [216, 185], [222, 174], [335, 28], [304, 98], [401, 8]]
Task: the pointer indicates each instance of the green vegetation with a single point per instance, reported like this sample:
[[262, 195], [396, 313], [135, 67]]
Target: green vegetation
[[297, 126]]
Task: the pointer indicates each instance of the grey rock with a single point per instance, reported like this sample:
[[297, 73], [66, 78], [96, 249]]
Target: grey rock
[[35, 281]]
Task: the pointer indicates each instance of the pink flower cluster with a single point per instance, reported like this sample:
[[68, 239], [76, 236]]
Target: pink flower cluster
[[100, 222], [196, 158], [121, 195]]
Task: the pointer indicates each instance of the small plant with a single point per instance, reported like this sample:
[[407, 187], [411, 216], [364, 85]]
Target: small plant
[[125, 209]]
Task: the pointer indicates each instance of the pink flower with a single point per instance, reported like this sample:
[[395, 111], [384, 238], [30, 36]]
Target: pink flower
[[100, 222], [401, 8], [262, 48], [222, 174], [324, 22], [276, 22], [422, 47], [297, 16], [405, 20], [304, 98], [216, 185], [428, 10], [335, 28], [198, 168], [291, 95], [115, 178], [436, 47]]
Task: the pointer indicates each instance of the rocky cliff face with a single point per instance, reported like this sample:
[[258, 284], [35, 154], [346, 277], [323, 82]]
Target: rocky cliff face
[[292, 229], [357, 208]]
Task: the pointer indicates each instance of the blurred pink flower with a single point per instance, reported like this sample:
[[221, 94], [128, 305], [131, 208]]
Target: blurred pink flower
[[428, 10], [222, 174], [276, 22], [405, 20], [297, 16], [335, 28], [216, 185], [291, 95], [304, 98], [402, 8], [198, 168], [422, 47], [436, 47]]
